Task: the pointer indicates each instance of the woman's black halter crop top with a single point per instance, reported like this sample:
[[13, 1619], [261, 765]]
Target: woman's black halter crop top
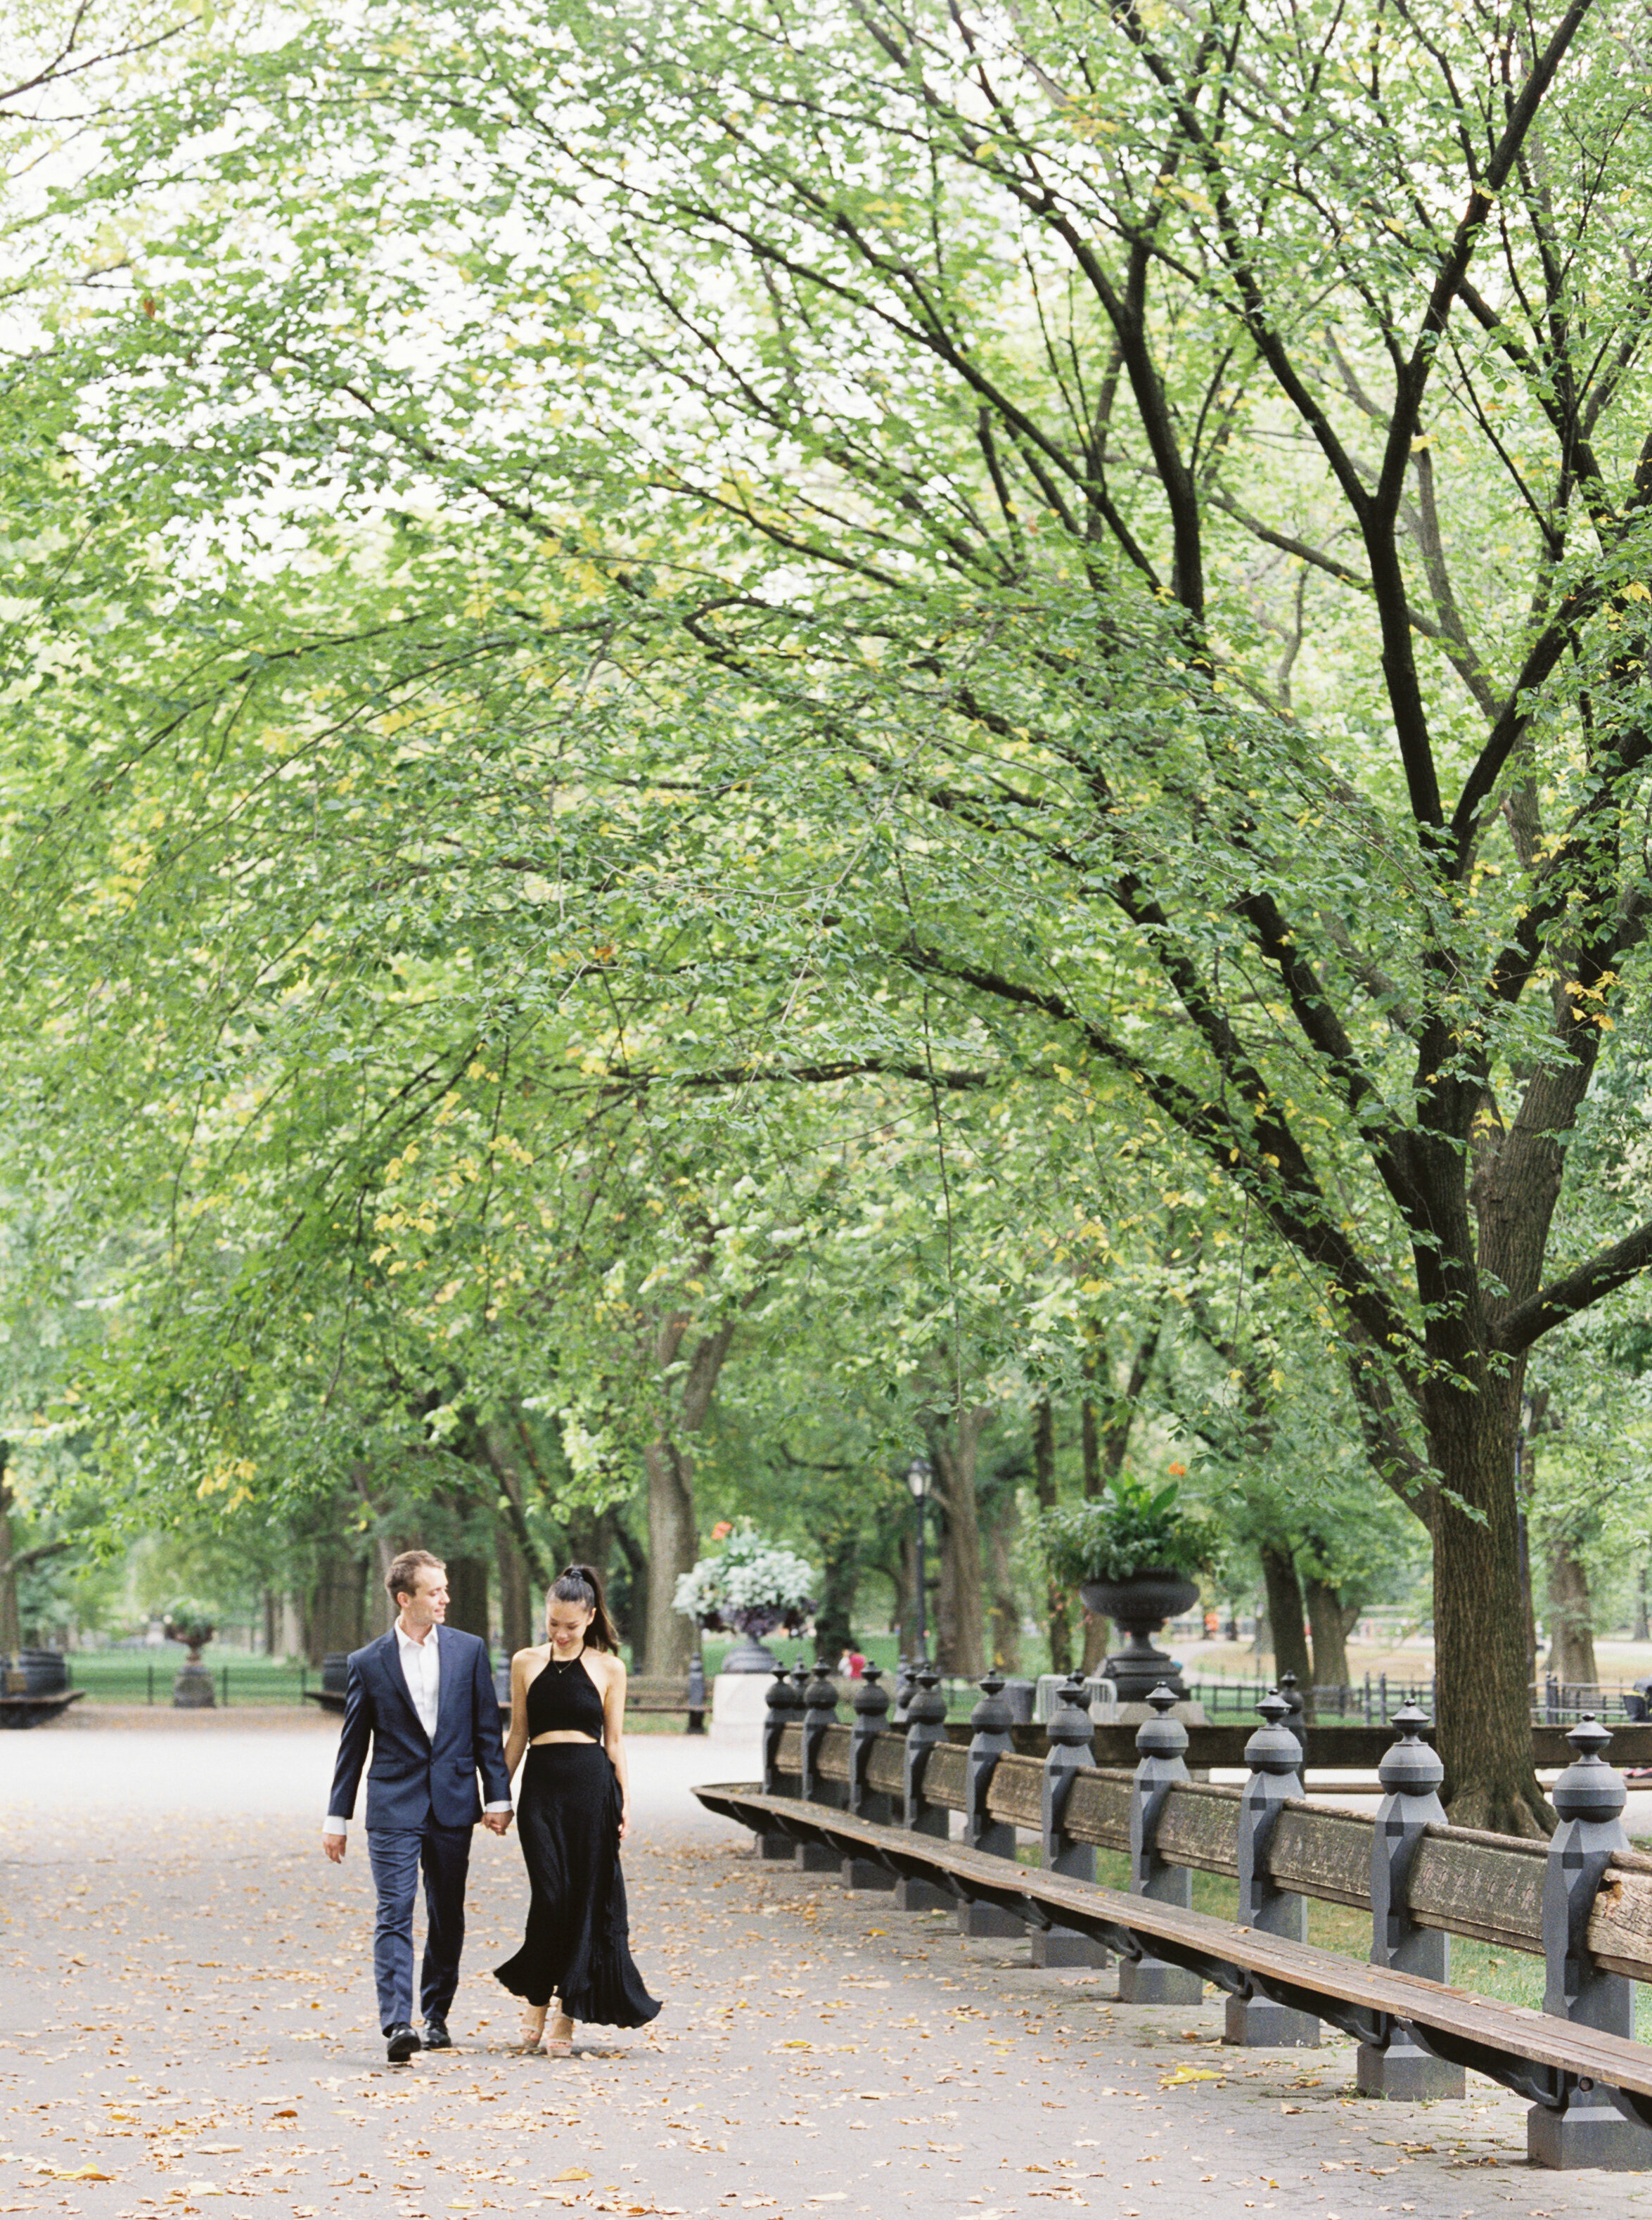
[[562, 1699]]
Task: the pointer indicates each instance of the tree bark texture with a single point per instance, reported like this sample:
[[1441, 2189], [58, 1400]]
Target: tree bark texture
[[1571, 1615], [1286, 1615], [1057, 1600], [11, 1631], [518, 1617], [673, 1532], [1330, 1623], [955, 1451]]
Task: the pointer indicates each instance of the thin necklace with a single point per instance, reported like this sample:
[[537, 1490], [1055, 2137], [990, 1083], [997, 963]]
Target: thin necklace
[[561, 1664]]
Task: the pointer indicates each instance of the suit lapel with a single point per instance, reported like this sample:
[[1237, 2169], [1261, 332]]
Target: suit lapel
[[398, 1680], [447, 1675]]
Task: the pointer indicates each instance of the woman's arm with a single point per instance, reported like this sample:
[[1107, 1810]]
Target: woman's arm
[[614, 1737], [516, 1740]]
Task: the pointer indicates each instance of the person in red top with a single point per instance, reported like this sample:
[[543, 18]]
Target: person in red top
[[851, 1665]]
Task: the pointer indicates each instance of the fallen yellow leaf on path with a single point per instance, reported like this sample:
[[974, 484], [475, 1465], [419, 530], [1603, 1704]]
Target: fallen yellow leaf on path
[[574, 2173]]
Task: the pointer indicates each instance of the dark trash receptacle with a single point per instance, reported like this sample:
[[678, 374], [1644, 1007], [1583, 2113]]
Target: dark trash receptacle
[[45, 1672], [1019, 1695], [335, 1672]]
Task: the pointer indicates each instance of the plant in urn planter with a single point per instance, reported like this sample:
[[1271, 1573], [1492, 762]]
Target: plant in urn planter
[[750, 1586], [1131, 1553], [194, 1625]]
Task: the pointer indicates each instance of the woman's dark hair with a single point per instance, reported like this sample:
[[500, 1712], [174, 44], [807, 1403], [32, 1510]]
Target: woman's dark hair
[[582, 1584]]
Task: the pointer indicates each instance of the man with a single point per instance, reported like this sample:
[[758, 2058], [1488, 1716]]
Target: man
[[424, 1697]]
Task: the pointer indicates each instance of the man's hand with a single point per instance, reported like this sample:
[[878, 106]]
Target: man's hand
[[497, 1823], [333, 1845]]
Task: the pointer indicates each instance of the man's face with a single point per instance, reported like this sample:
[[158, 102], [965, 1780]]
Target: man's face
[[427, 1605]]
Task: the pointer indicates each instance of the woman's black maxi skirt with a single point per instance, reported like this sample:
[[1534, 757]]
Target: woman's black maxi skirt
[[577, 1947]]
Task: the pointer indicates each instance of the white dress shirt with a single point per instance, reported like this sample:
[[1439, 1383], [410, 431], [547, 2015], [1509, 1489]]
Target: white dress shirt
[[422, 1670], [420, 1664]]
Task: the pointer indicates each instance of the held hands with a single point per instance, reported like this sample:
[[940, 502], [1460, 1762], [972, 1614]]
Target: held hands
[[497, 1823]]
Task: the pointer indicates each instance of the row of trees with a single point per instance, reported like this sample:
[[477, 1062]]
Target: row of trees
[[910, 692]]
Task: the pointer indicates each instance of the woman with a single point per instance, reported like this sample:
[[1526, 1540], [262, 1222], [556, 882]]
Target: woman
[[567, 1711]]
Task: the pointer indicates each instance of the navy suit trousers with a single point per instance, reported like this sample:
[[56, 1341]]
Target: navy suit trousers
[[396, 1855]]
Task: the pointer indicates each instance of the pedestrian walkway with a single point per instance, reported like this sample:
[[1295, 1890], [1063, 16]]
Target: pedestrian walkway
[[186, 2025]]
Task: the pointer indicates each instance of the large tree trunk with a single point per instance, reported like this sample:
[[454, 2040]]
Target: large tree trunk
[[1482, 1703], [1571, 1617], [834, 1622], [11, 1631], [1330, 1623], [673, 1544], [673, 1533], [1285, 1615], [1058, 1608], [1005, 1614], [335, 1612], [517, 1615], [962, 1647]]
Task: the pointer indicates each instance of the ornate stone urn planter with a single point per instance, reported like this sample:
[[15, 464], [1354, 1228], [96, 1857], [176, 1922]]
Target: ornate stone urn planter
[[189, 1624], [1139, 1606]]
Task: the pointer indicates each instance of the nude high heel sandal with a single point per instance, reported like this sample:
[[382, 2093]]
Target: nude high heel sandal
[[561, 2043], [533, 2029]]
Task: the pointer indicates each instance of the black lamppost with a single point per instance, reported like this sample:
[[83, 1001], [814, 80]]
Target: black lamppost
[[919, 1473]]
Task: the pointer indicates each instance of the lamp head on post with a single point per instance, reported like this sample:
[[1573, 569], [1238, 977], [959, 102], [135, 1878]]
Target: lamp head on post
[[919, 1473]]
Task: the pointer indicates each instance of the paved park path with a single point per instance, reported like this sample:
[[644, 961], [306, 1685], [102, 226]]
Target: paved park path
[[186, 2025]]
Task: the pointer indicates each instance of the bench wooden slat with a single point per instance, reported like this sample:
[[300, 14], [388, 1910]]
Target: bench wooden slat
[[1459, 2017]]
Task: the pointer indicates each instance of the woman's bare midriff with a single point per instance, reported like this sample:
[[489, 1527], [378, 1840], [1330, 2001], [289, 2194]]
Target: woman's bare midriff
[[563, 1734]]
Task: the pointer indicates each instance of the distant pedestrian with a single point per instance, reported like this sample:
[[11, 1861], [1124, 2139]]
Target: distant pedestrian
[[851, 1665]]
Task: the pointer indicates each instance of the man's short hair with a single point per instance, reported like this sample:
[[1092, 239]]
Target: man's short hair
[[403, 1575]]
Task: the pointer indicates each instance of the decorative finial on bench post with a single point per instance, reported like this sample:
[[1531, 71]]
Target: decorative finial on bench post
[[820, 1716], [991, 1737], [1162, 1751], [926, 1726], [784, 1706], [1072, 1748], [871, 1705], [1586, 2129], [1275, 1756], [1411, 1774]]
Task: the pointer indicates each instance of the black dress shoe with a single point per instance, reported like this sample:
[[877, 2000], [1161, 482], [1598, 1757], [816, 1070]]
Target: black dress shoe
[[436, 2036], [404, 2041]]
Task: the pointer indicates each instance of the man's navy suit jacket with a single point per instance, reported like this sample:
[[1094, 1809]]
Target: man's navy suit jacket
[[414, 1781]]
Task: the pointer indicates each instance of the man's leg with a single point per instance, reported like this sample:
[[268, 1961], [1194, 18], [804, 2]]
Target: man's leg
[[447, 1862], [392, 1853]]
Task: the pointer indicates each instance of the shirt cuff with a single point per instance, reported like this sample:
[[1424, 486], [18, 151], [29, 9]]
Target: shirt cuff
[[333, 1825], [505, 1806]]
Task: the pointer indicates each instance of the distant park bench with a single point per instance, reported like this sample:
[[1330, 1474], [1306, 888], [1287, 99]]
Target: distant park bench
[[644, 1693], [37, 1710]]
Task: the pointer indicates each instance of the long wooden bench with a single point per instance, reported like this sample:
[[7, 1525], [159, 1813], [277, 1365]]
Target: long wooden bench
[[1543, 2059], [644, 1694]]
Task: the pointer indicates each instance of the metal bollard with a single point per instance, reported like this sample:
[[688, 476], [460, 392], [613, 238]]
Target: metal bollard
[[1412, 1773], [871, 1705], [1587, 2128], [1070, 1748], [926, 1726], [1161, 1748], [785, 1702], [819, 1713], [1274, 1757], [991, 1739]]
